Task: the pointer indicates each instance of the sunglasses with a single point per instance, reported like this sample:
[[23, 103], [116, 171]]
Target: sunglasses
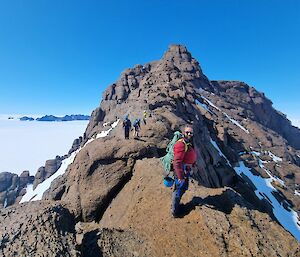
[[189, 133]]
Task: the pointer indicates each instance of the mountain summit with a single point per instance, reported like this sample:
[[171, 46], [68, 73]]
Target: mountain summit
[[110, 201]]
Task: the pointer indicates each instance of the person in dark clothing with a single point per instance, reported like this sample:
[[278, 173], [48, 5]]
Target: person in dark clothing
[[184, 161], [126, 126], [137, 127]]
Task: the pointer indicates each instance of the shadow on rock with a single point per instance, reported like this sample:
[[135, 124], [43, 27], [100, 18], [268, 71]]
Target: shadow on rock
[[224, 202], [185, 209], [139, 139], [90, 247]]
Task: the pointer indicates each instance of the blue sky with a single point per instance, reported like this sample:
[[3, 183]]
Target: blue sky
[[57, 56]]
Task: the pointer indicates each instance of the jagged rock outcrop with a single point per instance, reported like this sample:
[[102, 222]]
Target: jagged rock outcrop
[[12, 187], [113, 188], [76, 144], [44, 172], [166, 88], [37, 229], [251, 104]]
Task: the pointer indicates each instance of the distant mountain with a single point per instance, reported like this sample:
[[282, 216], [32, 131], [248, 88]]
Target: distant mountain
[[55, 118], [25, 118]]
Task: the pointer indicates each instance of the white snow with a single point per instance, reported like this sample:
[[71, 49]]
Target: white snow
[[236, 123], [106, 132], [273, 177], [105, 124], [231, 119], [298, 155], [288, 219], [261, 165], [5, 203], [297, 193], [203, 105], [256, 153], [274, 157], [219, 150], [26, 145], [37, 193], [210, 103]]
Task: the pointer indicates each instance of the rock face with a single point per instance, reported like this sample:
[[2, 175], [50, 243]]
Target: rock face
[[12, 187], [255, 106], [44, 172], [113, 189], [38, 229]]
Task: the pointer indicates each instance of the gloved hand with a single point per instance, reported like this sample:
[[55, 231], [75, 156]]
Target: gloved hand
[[179, 182]]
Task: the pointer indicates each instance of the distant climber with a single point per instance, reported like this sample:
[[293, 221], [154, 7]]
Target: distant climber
[[184, 161], [145, 114], [126, 126], [137, 127]]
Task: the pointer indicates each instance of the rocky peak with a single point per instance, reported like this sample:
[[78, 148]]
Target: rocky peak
[[177, 52], [114, 191]]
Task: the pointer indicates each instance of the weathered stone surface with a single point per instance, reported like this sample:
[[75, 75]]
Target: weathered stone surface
[[37, 229], [213, 222], [168, 89], [11, 185], [44, 172], [117, 182]]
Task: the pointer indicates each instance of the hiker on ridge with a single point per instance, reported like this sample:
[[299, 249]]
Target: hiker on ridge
[[145, 114], [184, 160], [137, 127], [126, 126]]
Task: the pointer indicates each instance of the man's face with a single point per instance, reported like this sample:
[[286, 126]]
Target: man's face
[[188, 133]]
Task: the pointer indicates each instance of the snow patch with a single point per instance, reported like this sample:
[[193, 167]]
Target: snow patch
[[203, 105], [297, 193], [274, 157], [5, 203], [219, 150], [210, 103], [236, 123], [37, 193], [273, 177], [106, 132], [256, 153], [103, 133], [288, 219]]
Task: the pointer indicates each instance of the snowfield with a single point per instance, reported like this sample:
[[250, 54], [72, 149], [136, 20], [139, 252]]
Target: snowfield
[[26, 145], [37, 193]]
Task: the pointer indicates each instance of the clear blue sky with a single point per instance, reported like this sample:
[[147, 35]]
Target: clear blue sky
[[57, 56]]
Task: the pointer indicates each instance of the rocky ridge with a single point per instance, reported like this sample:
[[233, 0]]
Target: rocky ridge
[[113, 189]]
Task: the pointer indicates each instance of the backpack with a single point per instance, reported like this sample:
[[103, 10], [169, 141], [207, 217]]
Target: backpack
[[136, 123], [167, 160], [127, 123]]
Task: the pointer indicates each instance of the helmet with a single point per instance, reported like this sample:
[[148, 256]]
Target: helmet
[[168, 181]]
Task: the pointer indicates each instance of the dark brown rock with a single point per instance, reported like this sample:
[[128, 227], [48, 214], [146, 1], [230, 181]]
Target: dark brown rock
[[38, 229]]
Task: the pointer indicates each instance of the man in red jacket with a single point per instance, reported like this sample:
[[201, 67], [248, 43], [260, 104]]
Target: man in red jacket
[[184, 160]]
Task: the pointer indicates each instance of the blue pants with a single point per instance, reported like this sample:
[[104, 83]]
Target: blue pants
[[179, 190]]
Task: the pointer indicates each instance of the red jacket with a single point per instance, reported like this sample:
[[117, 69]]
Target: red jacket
[[181, 157]]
